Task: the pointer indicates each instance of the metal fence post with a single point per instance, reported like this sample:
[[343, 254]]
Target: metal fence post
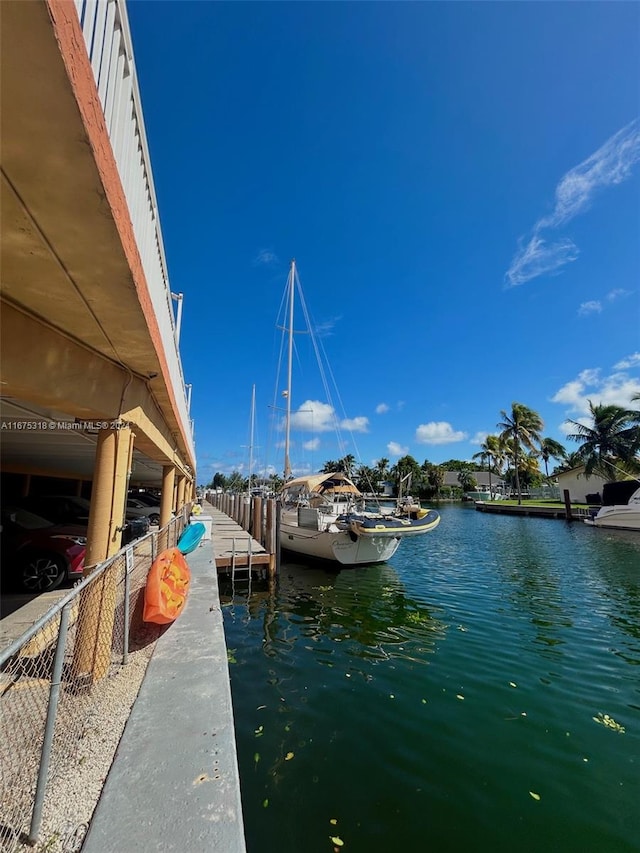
[[47, 742], [129, 563]]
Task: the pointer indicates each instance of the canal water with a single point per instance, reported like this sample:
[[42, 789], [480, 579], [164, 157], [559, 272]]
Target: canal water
[[481, 692]]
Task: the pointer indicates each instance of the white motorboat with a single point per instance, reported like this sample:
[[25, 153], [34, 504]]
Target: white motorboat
[[620, 506]]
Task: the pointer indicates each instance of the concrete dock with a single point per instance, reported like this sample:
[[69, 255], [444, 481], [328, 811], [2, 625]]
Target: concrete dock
[[174, 782]]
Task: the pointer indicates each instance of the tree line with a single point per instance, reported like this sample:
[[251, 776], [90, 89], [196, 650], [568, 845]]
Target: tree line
[[608, 446]]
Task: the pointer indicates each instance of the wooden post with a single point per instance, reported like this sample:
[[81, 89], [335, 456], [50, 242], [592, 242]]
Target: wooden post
[[278, 515], [256, 519], [270, 539], [567, 505]]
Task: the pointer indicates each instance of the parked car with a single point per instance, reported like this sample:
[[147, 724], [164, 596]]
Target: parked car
[[148, 498], [37, 556], [138, 508], [72, 509]]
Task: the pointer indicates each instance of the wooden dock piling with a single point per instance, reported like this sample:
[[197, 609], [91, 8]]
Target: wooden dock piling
[[244, 533]]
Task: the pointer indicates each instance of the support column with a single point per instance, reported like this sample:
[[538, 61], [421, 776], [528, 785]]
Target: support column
[[182, 482], [92, 656], [166, 500], [166, 503]]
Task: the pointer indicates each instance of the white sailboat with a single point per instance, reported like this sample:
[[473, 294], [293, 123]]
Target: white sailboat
[[323, 515]]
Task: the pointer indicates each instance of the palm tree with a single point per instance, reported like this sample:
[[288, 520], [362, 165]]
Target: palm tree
[[489, 450], [382, 470], [365, 479], [551, 449], [523, 426], [572, 460], [467, 481], [611, 443], [435, 477]]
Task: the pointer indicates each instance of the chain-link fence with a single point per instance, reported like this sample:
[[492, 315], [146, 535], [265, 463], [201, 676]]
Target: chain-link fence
[[66, 689]]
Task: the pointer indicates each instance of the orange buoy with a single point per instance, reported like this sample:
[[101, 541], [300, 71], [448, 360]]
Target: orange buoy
[[167, 586]]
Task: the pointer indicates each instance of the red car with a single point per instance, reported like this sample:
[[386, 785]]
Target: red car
[[37, 555]]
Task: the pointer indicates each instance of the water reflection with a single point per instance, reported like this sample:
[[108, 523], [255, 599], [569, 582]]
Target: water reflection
[[355, 702], [366, 610], [531, 573], [616, 559]]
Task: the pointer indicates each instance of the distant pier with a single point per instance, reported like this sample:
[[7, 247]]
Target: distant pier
[[538, 511]]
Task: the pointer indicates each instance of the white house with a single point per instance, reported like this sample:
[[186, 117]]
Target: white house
[[579, 485]]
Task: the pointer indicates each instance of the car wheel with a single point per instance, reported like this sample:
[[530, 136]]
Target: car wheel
[[154, 519], [42, 572]]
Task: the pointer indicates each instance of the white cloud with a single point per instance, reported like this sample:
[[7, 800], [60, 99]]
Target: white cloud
[[438, 432], [266, 257], [632, 360], [611, 164], [396, 449], [615, 389], [325, 329], [313, 444], [360, 424], [382, 409], [592, 307], [595, 306], [538, 258], [617, 293], [314, 416], [479, 438]]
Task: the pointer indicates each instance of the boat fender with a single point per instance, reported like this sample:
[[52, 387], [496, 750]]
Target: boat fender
[[353, 536]]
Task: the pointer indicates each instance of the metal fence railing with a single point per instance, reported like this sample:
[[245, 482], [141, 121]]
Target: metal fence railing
[[65, 697]]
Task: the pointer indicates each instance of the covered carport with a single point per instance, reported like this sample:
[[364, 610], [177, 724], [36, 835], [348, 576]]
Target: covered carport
[[92, 390]]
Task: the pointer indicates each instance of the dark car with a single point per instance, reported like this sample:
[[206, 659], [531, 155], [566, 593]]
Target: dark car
[[72, 509], [37, 555], [148, 498]]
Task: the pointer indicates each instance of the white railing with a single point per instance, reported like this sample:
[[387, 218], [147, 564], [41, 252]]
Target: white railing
[[107, 36]]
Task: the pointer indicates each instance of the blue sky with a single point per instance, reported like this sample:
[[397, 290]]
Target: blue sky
[[459, 184]]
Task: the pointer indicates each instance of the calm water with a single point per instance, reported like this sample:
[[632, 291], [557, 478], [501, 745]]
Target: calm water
[[421, 704]]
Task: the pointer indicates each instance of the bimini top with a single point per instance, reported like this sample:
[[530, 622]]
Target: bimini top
[[321, 483]]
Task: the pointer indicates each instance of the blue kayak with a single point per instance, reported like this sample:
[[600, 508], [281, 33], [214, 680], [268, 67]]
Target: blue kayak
[[191, 537]]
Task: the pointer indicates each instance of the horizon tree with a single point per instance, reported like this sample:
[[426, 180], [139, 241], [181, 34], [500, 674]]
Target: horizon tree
[[489, 449], [467, 481], [551, 449], [523, 427], [610, 446]]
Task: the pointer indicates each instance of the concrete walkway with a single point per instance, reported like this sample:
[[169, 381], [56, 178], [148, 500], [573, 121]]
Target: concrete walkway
[[174, 782]]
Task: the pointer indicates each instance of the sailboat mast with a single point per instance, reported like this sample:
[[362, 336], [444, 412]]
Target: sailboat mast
[[287, 461], [253, 415]]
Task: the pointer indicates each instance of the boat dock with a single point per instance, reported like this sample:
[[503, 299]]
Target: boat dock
[[246, 542], [539, 511]]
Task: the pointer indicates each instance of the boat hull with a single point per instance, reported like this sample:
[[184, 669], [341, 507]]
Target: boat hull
[[616, 518], [394, 526], [340, 546]]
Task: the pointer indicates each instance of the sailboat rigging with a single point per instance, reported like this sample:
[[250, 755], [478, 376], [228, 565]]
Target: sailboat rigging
[[323, 515]]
